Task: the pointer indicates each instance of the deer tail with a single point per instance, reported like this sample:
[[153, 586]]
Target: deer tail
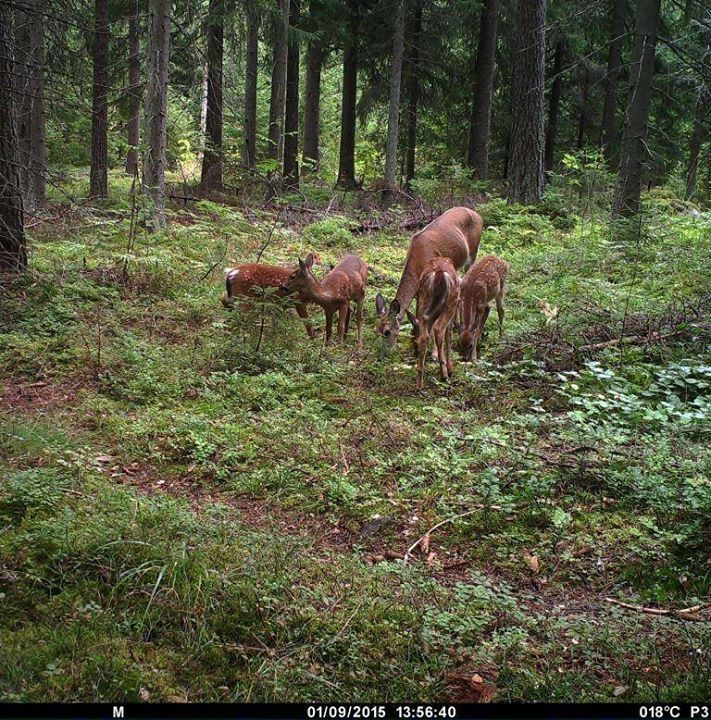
[[439, 289], [227, 297]]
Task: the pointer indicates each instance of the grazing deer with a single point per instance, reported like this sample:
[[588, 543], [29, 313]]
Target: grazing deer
[[253, 280], [455, 235], [437, 302], [485, 281], [343, 283]]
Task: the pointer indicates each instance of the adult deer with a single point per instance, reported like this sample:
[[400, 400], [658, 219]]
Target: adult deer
[[344, 283], [437, 302], [254, 280], [484, 281], [455, 235]]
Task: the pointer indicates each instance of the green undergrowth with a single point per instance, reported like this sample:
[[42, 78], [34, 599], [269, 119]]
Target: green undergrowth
[[203, 505]]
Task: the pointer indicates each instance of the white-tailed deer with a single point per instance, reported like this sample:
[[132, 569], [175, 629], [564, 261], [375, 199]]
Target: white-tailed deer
[[455, 235], [254, 280], [485, 281], [344, 283], [437, 302]]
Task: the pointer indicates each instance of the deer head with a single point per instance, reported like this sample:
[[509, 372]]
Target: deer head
[[388, 319], [301, 277]]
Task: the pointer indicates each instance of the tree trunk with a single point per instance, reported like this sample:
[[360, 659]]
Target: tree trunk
[[697, 138], [508, 122], [13, 252], [346, 159], [278, 94], [394, 101], [480, 125], [249, 149], [584, 114], [614, 63], [312, 109], [414, 95], [554, 104], [29, 38], [211, 177], [203, 113], [626, 200], [134, 87], [159, 12], [291, 118], [98, 176], [527, 137]]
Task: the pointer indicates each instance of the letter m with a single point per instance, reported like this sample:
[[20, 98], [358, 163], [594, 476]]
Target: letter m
[[118, 711]]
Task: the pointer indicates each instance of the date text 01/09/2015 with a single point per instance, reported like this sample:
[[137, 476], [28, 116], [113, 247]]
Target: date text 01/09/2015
[[366, 712]]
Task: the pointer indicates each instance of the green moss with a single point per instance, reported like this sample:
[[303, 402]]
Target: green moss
[[275, 479]]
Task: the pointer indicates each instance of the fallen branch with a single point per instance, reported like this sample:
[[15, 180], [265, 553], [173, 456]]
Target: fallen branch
[[629, 340], [375, 225], [477, 508], [301, 209], [506, 354], [683, 614]]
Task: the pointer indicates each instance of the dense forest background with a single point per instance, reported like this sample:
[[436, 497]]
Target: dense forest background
[[203, 505], [404, 96]]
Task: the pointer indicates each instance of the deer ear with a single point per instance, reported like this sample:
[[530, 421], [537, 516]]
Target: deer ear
[[411, 318], [302, 265], [395, 307], [309, 262], [380, 304]]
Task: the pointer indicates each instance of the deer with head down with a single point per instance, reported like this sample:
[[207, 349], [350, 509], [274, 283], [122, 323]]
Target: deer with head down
[[344, 283], [484, 281], [454, 235], [437, 302], [255, 280]]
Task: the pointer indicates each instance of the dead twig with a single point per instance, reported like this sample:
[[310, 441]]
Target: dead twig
[[689, 613], [629, 340], [344, 459], [269, 237], [213, 266], [477, 508]]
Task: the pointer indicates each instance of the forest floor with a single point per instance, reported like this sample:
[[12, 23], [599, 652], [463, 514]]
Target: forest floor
[[199, 505]]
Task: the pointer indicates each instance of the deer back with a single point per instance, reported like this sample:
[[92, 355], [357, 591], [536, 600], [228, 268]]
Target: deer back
[[455, 235], [484, 280], [252, 279], [347, 280], [438, 291], [248, 278]]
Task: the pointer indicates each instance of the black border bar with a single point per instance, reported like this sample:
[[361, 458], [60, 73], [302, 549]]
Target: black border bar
[[355, 711]]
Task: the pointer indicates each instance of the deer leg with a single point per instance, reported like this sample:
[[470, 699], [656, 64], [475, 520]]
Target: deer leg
[[475, 330], [500, 312], [438, 338], [422, 342], [303, 313], [329, 326], [348, 317], [359, 320], [343, 313], [448, 348], [482, 315]]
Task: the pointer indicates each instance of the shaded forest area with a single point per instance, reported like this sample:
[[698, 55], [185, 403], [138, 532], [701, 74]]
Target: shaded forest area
[[204, 503]]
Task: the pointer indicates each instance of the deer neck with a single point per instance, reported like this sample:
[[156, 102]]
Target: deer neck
[[317, 292], [407, 289]]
